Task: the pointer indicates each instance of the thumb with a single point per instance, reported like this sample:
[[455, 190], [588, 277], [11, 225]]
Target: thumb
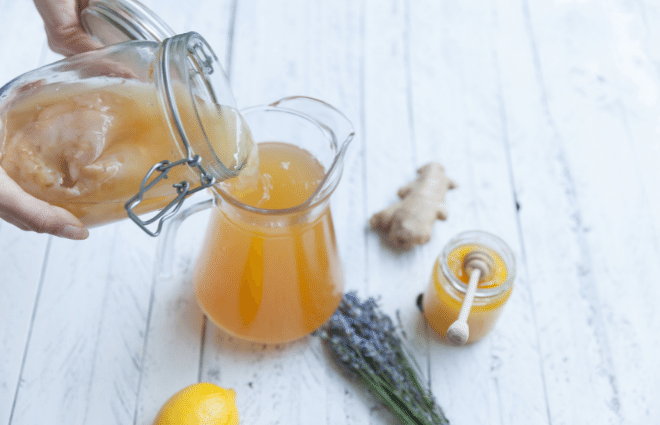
[[71, 42], [63, 26]]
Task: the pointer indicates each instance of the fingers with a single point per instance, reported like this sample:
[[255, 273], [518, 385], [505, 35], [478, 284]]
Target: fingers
[[29, 213], [63, 27], [70, 41]]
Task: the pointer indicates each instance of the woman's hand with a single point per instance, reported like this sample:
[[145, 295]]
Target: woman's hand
[[29, 213], [67, 37], [63, 26]]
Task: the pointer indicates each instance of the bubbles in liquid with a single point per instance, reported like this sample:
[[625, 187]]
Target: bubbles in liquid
[[285, 176]]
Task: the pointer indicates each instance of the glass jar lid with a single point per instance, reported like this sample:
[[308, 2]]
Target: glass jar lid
[[115, 21]]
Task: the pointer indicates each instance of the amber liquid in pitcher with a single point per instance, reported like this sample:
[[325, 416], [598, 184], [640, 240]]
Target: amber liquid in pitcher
[[271, 283]]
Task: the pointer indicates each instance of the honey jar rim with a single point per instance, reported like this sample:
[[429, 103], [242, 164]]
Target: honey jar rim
[[489, 240]]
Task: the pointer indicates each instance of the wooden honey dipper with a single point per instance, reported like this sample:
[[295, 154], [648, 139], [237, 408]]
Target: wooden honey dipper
[[480, 266]]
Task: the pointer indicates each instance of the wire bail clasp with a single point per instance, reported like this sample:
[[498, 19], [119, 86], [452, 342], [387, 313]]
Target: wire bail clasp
[[203, 58], [182, 188]]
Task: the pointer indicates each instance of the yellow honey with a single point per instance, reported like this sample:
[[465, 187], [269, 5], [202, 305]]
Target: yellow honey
[[448, 284]]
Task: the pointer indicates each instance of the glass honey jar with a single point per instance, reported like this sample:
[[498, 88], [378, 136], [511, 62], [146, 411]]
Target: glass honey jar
[[448, 286]]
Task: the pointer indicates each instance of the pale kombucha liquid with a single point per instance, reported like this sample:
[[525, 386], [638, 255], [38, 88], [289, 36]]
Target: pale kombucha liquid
[[265, 282], [441, 306], [86, 147]]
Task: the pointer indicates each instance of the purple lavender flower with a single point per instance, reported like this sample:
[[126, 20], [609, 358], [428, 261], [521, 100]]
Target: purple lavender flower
[[365, 341]]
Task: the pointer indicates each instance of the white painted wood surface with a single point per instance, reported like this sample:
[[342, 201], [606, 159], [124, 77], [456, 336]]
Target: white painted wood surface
[[545, 112]]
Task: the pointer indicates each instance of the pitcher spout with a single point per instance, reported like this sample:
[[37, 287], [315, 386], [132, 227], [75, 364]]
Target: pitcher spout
[[339, 131]]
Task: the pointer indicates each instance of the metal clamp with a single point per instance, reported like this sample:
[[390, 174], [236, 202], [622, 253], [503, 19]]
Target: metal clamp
[[204, 59], [182, 189], [202, 54]]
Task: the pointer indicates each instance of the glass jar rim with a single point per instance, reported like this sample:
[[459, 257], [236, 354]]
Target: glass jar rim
[[479, 238], [200, 61]]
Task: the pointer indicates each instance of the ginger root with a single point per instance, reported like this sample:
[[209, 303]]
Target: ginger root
[[410, 221]]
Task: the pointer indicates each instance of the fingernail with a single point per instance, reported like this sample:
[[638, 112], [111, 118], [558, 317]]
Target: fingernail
[[73, 232]]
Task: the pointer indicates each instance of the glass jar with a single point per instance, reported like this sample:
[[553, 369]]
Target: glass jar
[[441, 303], [99, 132]]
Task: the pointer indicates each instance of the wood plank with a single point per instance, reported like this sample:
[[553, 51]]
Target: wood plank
[[638, 114], [85, 358], [390, 162], [607, 69], [174, 334], [108, 337], [21, 265], [549, 105], [580, 378], [61, 352], [119, 358], [458, 120], [313, 53], [20, 281], [640, 109]]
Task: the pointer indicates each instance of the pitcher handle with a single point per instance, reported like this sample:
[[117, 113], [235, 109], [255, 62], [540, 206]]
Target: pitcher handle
[[166, 246]]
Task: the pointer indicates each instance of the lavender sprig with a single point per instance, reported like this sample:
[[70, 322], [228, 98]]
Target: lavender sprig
[[365, 341]]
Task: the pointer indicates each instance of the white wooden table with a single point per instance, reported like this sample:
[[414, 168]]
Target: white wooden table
[[547, 114]]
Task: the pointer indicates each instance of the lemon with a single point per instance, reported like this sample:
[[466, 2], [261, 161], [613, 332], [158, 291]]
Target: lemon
[[200, 404]]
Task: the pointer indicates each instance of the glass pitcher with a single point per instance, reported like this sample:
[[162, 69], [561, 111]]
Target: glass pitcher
[[272, 275]]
